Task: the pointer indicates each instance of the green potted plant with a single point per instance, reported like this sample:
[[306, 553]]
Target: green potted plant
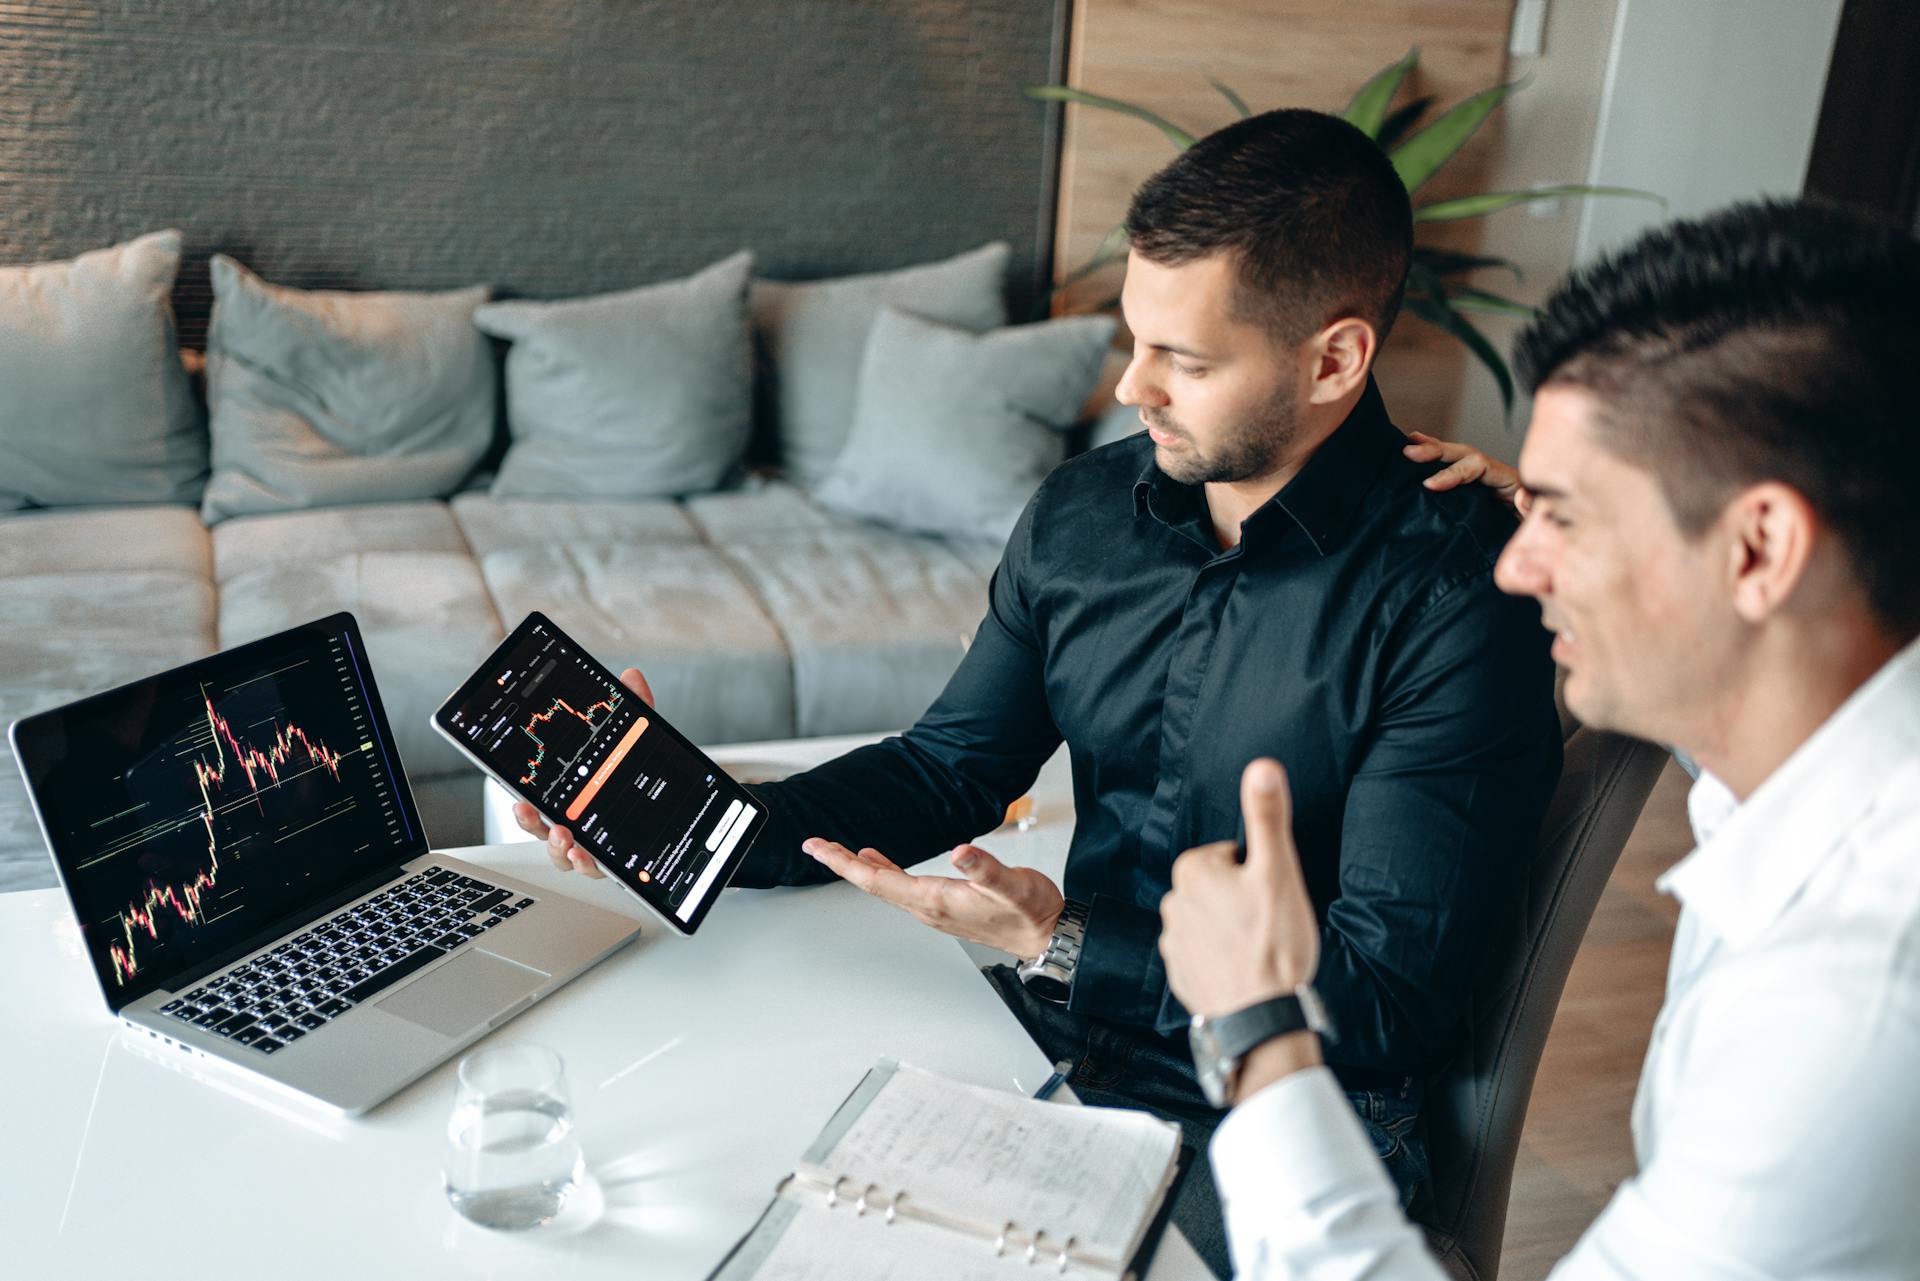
[[1437, 289]]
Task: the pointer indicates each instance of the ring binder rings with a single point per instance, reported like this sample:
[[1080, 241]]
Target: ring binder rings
[[983, 1165]]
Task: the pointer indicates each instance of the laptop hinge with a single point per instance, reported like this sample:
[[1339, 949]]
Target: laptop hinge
[[288, 924]]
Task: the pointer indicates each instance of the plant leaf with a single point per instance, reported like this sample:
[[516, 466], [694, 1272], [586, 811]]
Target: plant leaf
[[1368, 108], [1444, 262], [1239, 103], [1420, 157], [1395, 126], [1491, 201], [1468, 298], [1439, 314], [1061, 93]]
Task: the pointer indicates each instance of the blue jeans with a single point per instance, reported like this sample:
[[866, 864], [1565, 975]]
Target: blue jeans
[[1115, 1066]]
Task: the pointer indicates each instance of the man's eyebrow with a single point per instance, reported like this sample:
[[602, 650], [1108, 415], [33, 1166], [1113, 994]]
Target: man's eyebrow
[[1188, 352], [1175, 348], [1542, 490]]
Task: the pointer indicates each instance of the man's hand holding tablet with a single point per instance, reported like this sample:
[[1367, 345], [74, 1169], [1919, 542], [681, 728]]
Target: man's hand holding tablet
[[580, 747]]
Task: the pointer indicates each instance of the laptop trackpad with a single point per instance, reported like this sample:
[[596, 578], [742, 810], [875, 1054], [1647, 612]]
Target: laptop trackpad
[[464, 993]]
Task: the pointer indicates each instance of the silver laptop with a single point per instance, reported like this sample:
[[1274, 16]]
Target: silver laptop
[[253, 884]]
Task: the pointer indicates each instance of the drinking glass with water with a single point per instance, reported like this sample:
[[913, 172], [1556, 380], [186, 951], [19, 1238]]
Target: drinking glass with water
[[512, 1160]]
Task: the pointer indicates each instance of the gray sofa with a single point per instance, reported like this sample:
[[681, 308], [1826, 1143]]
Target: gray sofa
[[754, 612]]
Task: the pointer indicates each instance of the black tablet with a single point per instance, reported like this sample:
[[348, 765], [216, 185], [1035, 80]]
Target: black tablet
[[560, 731]]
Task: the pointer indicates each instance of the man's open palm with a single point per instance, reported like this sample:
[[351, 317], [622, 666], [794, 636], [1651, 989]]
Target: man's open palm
[[1013, 909]]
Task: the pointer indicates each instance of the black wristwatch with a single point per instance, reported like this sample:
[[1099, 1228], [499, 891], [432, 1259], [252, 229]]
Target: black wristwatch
[[1221, 1043], [1049, 976]]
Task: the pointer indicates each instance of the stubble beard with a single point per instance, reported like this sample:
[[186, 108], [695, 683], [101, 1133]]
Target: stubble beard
[[1252, 447]]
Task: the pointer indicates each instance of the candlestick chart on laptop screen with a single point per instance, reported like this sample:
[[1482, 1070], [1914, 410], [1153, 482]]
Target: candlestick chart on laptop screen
[[190, 810]]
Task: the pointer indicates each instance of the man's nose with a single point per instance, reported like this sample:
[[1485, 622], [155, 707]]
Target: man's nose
[[1135, 388], [1521, 571]]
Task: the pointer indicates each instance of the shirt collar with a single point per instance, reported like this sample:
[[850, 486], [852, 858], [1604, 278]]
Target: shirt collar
[[1753, 858], [1320, 498]]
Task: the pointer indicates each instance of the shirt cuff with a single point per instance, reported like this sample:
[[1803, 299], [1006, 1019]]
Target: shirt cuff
[[1281, 1156], [1119, 975]]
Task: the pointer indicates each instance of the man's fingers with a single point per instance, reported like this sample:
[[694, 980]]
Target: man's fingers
[[980, 867], [529, 820], [889, 883], [559, 842], [1199, 861], [1267, 806], [569, 857], [1463, 472], [634, 681], [1422, 448], [875, 857]]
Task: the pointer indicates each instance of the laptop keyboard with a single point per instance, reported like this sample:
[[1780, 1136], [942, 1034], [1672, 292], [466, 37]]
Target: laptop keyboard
[[280, 996]]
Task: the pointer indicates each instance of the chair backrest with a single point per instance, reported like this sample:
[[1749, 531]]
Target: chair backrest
[[1476, 1104]]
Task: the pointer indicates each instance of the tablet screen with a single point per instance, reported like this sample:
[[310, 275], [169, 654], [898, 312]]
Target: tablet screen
[[557, 727]]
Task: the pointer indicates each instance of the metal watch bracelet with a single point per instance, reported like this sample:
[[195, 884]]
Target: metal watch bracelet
[[1049, 976]]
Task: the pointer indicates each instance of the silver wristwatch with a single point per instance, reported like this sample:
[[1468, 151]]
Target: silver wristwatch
[[1221, 1043], [1049, 976]]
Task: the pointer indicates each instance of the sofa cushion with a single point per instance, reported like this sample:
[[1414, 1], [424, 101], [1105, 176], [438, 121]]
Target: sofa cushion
[[493, 524], [954, 431], [767, 509], [678, 612], [94, 403], [322, 397], [425, 614], [874, 621], [762, 508], [84, 540], [635, 395], [249, 543], [813, 334], [72, 627]]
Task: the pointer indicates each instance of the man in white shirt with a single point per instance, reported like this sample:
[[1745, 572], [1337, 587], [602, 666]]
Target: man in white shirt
[[1723, 529]]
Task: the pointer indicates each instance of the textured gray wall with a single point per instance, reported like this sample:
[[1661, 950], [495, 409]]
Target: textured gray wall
[[547, 147]]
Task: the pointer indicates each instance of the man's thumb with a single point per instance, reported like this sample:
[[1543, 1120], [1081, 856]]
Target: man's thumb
[[634, 681], [978, 866], [1267, 808]]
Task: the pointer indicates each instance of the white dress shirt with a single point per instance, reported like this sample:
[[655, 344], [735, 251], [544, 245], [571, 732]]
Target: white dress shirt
[[1777, 1124]]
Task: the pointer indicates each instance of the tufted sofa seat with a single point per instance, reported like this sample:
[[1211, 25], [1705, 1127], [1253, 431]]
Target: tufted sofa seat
[[755, 613]]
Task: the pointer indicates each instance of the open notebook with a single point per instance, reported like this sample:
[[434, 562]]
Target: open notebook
[[917, 1176]]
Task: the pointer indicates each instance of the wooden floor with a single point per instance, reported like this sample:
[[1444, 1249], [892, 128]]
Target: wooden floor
[[1576, 1149]]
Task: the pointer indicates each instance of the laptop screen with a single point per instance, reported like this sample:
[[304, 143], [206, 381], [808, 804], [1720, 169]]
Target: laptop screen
[[189, 811]]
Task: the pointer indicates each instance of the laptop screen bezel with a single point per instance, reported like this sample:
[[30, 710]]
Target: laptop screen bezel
[[34, 738]]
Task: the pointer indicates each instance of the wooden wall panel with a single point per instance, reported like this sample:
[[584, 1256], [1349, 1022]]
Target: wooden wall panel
[[1307, 53]]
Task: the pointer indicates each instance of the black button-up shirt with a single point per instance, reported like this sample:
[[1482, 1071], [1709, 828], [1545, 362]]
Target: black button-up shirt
[[1354, 633]]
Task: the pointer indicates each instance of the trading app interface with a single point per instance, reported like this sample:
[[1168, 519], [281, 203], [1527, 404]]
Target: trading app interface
[[190, 810], [589, 753]]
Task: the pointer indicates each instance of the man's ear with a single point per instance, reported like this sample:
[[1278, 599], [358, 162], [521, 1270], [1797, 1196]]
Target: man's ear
[[1773, 530], [1342, 354]]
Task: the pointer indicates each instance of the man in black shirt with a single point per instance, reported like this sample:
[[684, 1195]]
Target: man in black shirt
[[1260, 573]]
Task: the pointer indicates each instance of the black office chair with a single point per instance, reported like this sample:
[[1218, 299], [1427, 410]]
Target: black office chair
[[1476, 1105]]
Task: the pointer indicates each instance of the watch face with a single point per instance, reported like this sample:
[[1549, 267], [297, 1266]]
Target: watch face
[[1047, 987]]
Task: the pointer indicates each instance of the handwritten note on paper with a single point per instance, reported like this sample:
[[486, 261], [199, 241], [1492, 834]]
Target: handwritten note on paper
[[992, 1157]]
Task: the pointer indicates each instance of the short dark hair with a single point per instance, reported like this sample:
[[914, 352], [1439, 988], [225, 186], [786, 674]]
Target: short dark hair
[[1770, 341], [1320, 222]]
